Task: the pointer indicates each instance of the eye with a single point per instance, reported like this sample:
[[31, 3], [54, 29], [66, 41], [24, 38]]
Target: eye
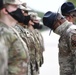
[[74, 15], [15, 6]]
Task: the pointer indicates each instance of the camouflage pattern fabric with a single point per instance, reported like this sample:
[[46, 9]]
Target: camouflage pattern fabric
[[67, 51], [27, 36], [12, 2], [13, 57], [41, 45], [39, 48]]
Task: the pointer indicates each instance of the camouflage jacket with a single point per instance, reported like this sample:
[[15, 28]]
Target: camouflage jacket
[[39, 44], [41, 40], [13, 57], [27, 36], [67, 51]]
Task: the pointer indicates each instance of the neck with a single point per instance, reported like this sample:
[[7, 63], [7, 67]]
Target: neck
[[59, 30], [31, 27], [7, 21]]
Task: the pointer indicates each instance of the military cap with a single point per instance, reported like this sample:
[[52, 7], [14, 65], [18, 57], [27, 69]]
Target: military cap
[[12, 2], [3, 2], [24, 6], [49, 19], [67, 7]]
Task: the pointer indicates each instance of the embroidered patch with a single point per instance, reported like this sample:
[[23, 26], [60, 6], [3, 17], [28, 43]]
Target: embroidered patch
[[73, 40]]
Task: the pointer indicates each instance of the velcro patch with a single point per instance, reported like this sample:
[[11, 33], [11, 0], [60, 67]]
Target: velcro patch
[[73, 40]]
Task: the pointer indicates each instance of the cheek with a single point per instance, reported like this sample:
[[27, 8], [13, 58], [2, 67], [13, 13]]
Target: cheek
[[10, 9], [22, 11], [74, 20], [25, 14]]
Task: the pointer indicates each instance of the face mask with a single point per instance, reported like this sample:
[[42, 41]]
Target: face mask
[[17, 15], [37, 26], [1, 4], [27, 19]]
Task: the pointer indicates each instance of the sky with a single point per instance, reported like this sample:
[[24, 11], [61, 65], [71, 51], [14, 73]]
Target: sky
[[44, 5]]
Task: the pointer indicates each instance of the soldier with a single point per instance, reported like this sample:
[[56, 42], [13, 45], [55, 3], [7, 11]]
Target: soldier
[[69, 11], [14, 56], [36, 20], [38, 42], [27, 36], [67, 41]]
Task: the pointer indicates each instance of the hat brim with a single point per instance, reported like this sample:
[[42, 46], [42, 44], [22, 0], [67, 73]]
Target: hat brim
[[22, 7], [25, 8], [72, 10], [28, 9], [50, 19], [17, 2]]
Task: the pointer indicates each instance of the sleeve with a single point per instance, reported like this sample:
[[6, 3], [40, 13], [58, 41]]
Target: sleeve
[[73, 48], [43, 49], [3, 59], [41, 40], [4, 46], [12, 53], [42, 43], [40, 37]]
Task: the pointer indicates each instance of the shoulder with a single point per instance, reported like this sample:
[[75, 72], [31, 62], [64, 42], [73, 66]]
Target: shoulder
[[38, 33], [37, 30], [6, 33], [72, 36], [71, 29]]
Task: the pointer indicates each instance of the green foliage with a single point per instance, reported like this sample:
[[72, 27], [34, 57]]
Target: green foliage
[[73, 1], [40, 14]]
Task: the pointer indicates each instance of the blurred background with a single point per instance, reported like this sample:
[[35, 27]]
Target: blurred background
[[50, 66]]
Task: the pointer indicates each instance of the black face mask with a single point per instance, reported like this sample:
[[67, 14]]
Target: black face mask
[[1, 4], [37, 26], [17, 15], [27, 19]]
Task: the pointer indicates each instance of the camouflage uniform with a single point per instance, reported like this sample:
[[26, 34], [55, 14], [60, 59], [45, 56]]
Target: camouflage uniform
[[67, 53], [39, 45], [28, 37], [13, 55]]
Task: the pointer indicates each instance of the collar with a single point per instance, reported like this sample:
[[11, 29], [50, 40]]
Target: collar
[[60, 29]]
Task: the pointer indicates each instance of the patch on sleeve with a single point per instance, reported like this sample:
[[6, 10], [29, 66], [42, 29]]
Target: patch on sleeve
[[73, 40]]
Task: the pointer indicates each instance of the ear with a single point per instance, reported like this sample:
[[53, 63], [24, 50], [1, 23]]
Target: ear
[[70, 18], [4, 11]]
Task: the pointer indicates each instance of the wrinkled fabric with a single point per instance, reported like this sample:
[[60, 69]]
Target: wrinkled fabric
[[39, 45], [35, 45], [13, 57], [67, 49], [27, 36]]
